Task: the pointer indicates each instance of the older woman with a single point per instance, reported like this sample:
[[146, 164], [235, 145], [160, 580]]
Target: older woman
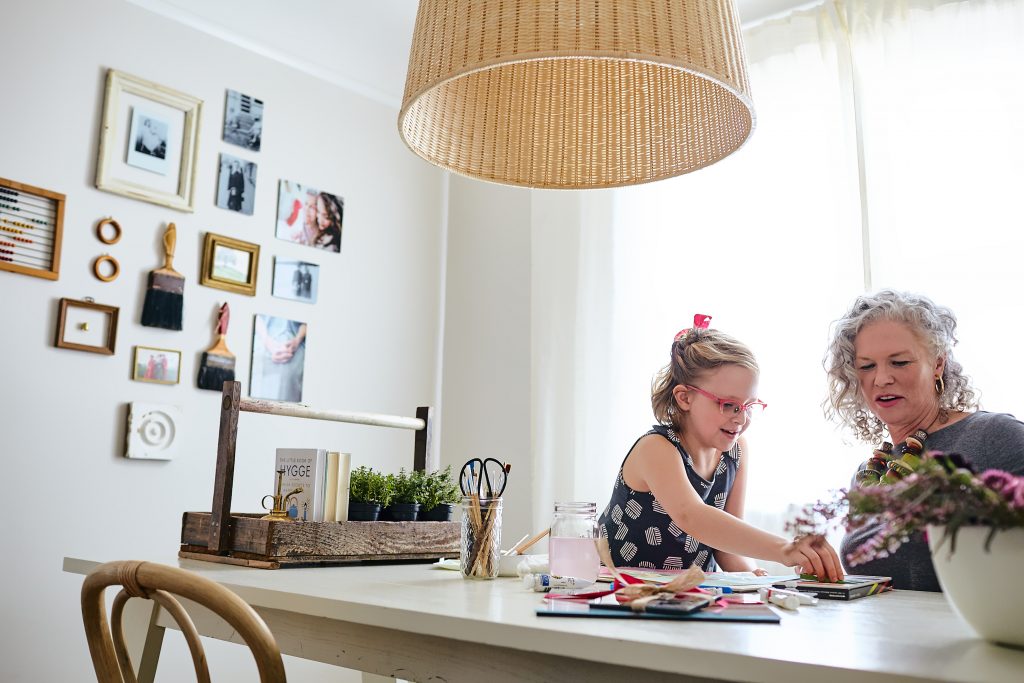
[[891, 371]]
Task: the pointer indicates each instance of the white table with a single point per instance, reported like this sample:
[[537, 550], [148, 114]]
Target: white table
[[421, 624]]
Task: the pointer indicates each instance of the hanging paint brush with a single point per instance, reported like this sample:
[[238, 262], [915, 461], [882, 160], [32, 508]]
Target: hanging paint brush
[[165, 296], [218, 364]]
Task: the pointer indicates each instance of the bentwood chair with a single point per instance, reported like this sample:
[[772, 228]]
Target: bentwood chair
[[161, 583]]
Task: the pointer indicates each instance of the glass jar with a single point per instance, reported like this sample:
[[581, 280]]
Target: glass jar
[[571, 549], [481, 537]]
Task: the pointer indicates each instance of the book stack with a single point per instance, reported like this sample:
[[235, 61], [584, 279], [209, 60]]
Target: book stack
[[324, 478], [852, 586]]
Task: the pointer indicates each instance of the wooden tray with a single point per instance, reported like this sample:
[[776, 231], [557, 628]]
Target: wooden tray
[[245, 539], [273, 544]]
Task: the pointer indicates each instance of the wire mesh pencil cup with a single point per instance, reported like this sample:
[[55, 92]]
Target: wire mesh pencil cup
[[481, 537]]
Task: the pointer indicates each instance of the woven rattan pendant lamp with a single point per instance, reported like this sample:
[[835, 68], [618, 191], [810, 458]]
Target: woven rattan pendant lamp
[[576, 94]]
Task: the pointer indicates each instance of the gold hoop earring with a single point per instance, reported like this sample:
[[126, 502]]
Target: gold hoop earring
[[940, 386]]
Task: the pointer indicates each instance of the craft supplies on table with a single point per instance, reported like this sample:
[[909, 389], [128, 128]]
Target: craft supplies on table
[[482, 483], [571, 547]]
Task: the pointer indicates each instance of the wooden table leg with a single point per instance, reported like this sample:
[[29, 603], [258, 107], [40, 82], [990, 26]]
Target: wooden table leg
[[143, 637]]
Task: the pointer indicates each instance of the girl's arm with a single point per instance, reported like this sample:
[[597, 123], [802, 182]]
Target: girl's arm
[[655, 466], [734, 504]]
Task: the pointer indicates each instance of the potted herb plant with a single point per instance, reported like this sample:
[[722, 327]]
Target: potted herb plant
[[975, 528], [440, 494], [368, 493], [405, 504]]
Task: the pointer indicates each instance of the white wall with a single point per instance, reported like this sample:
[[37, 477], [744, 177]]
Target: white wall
[[486, 376], [373, 336]]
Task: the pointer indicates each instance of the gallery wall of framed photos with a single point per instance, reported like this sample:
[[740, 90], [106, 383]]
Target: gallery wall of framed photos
[[369, 301]]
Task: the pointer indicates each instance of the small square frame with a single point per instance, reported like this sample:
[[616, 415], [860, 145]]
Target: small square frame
[[31, 228], [76, 313], [208, 275], [140, 377], [124, 93]]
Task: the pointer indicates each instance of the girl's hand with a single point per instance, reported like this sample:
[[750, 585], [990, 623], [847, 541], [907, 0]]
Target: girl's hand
[[759, 571], [813, 553]]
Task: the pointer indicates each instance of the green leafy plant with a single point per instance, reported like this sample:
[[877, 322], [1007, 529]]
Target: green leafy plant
[[439, 488], [410, 487], [368, 486]]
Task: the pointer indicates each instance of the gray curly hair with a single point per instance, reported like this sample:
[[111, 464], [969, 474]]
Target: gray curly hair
[[934, 324]]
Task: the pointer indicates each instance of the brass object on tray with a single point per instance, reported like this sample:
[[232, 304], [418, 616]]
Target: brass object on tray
[[279, 511]]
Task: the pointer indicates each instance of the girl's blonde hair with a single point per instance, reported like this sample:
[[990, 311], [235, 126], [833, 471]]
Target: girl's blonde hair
[[696, 353]]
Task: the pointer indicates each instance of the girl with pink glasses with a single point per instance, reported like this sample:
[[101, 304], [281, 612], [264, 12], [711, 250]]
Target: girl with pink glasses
[[678, 497]]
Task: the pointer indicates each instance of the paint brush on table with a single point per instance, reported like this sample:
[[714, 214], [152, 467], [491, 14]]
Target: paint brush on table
[[218, 364], [165, 295]]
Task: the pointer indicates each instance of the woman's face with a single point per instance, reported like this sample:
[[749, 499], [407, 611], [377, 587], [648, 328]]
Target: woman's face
[[704, 422], [896, 372]]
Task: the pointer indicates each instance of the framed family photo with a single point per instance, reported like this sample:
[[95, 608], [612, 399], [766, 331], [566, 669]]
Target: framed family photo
[[148, 142], [308, 216], [86, 326], [229, 264], [296, 280], [161, 366], [236, 184]]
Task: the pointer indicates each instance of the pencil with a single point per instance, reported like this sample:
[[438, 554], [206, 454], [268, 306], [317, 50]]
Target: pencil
[[165, 295]]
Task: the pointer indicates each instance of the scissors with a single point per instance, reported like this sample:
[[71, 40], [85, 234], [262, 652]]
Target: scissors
[[477, 474]]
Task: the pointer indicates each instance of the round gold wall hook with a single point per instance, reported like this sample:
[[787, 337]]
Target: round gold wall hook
[[115, 238], [114, 265]]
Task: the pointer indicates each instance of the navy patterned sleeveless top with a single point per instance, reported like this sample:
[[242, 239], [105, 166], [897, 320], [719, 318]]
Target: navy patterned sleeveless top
[[639, 531]]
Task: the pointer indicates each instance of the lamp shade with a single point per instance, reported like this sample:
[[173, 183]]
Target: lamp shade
[[576, 94]]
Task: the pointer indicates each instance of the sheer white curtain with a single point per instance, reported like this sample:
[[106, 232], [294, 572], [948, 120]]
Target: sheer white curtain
[[943, 125], [770, 242]]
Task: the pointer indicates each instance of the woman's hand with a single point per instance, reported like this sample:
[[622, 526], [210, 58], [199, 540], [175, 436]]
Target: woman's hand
[[813, 553]]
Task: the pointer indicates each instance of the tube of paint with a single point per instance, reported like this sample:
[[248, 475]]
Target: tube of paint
[[542, 583]]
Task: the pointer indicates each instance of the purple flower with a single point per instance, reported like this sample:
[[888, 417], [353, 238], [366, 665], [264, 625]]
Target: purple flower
[[996, 479]]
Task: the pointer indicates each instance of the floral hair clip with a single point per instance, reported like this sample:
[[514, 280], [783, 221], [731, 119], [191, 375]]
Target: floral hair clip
[[700, 322]]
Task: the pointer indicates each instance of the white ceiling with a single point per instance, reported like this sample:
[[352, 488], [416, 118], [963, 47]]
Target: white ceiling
[[362, 45]]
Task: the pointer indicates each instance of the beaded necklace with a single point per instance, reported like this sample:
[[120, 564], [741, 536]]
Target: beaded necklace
[[886, 466]]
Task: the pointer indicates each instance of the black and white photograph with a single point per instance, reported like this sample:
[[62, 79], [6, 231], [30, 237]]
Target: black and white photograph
[[236, 186], [296, 280], [243, 121], [278, 358], [147, 146]]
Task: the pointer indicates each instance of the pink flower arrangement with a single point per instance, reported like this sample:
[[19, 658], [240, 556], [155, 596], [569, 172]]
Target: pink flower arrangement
[[942, 491]]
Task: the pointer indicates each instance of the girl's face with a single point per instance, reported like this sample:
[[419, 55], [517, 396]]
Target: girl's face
[[704, 421], [896, 372]]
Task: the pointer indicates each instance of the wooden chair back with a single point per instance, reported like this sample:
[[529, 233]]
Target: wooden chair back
[[161, 583]]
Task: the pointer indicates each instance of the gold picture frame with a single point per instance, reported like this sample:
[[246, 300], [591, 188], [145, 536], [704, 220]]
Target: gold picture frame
[[229, 264], [149, 142], [86, 326], [160, 366]]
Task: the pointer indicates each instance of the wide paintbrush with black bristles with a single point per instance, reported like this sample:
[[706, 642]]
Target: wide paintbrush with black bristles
[[218, 364], [166, 293]]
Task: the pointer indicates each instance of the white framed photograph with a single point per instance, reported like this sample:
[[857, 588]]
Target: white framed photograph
[[148, 142], [243, 120], [236, 185], [296, 280], [148, 148]]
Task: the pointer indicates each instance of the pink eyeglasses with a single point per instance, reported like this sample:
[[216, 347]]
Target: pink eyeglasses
[[752, 408]]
